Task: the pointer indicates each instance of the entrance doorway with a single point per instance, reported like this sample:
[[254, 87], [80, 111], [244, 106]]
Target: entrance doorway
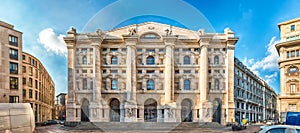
[[186, 111], [150, 111], [114, 110], [85, 111], [217, 111]]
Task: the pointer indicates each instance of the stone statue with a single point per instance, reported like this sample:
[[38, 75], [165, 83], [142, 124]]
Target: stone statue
[[169, 31], [170, 113], [132, 31], [130, 112]]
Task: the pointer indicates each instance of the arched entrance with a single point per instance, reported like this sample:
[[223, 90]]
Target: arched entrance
[[217, 111], [85, 110], [186, 110], [150, 110], [114, 110]]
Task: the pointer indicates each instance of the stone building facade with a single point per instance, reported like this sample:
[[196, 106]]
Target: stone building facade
[[10, 64], [38, 87], [289, 64], [255, 100], [151, 72]]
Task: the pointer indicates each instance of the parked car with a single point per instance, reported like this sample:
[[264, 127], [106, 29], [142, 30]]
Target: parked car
[[280, 129], [62, 122], [237, 127], [51, 122]]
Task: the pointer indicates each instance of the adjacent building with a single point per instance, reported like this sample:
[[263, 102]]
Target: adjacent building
[[60, 106], [23, 78], [10, 64], [255, 100], [289, 64]]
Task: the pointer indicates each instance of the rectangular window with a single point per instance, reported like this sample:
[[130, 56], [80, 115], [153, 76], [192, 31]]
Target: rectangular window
[[36, 73], [30, 82], [288, 54], [123, 71], [13, 40], [13, 54], [140, 71], [24, 69], [91, 49], [161, 50], [297, 53], [24, 81], [216, 49], [123, 49], [292, 107], [84, 71], [13, 99], [138, 113], [23, 57], [150, 71], [113, 49], [30, 93], [292, 27], [84, 50], [176, 71], [140, 50], [13, 82], [293, 54], [150, 50], [103, 71], [293, 88], [186, 49], [30, 70], [114, 71], [187, 71], [24, 93], [13, 68], [36, 84], [36, 95], [176, 50], [104, 49]]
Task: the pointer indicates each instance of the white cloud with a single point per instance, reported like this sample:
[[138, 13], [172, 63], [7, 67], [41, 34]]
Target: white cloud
[[52, 42], [270, 78], [270, 62]]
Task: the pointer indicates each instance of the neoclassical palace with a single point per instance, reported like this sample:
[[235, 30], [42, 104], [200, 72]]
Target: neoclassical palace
[[151, 72]]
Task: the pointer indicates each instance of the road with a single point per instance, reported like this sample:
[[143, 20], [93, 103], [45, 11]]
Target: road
[[60, 129]]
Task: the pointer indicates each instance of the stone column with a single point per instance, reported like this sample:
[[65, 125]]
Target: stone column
[[230, 81], [96, 106], [131, 80], [170, 104], [204, 107], [71, 105]]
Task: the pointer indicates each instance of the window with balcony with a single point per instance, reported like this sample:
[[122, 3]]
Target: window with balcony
[[150, 84], [84, 60], [187, 84], [13, 40], [216, 60], [13, 83], [13, 54], [150, 60], [114, 60], [84, 84], [13, 68], [114, 84], [186, 60]]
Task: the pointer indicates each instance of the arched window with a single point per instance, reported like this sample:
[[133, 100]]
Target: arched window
[[150, 84], [84, 84], [150, 60], [114, 84], [84, 60], [216, 59], [293, 69], [217, 84], [186, 60], [114, 60], [150, 36], [186, 84]]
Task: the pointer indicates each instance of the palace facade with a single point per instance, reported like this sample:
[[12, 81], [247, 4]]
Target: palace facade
[[289, 64], [154, 72]]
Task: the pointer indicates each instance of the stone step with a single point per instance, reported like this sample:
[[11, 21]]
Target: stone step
[[125, 126]]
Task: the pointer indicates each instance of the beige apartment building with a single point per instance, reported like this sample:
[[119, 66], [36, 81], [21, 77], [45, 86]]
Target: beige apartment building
[[10, 64], [289, 63], [23, 78], [38, 88]]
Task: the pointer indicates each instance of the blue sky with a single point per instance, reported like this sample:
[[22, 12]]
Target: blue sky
[[45, 22]]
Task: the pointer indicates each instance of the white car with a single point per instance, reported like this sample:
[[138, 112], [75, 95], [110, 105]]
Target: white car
[[280, 129]]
